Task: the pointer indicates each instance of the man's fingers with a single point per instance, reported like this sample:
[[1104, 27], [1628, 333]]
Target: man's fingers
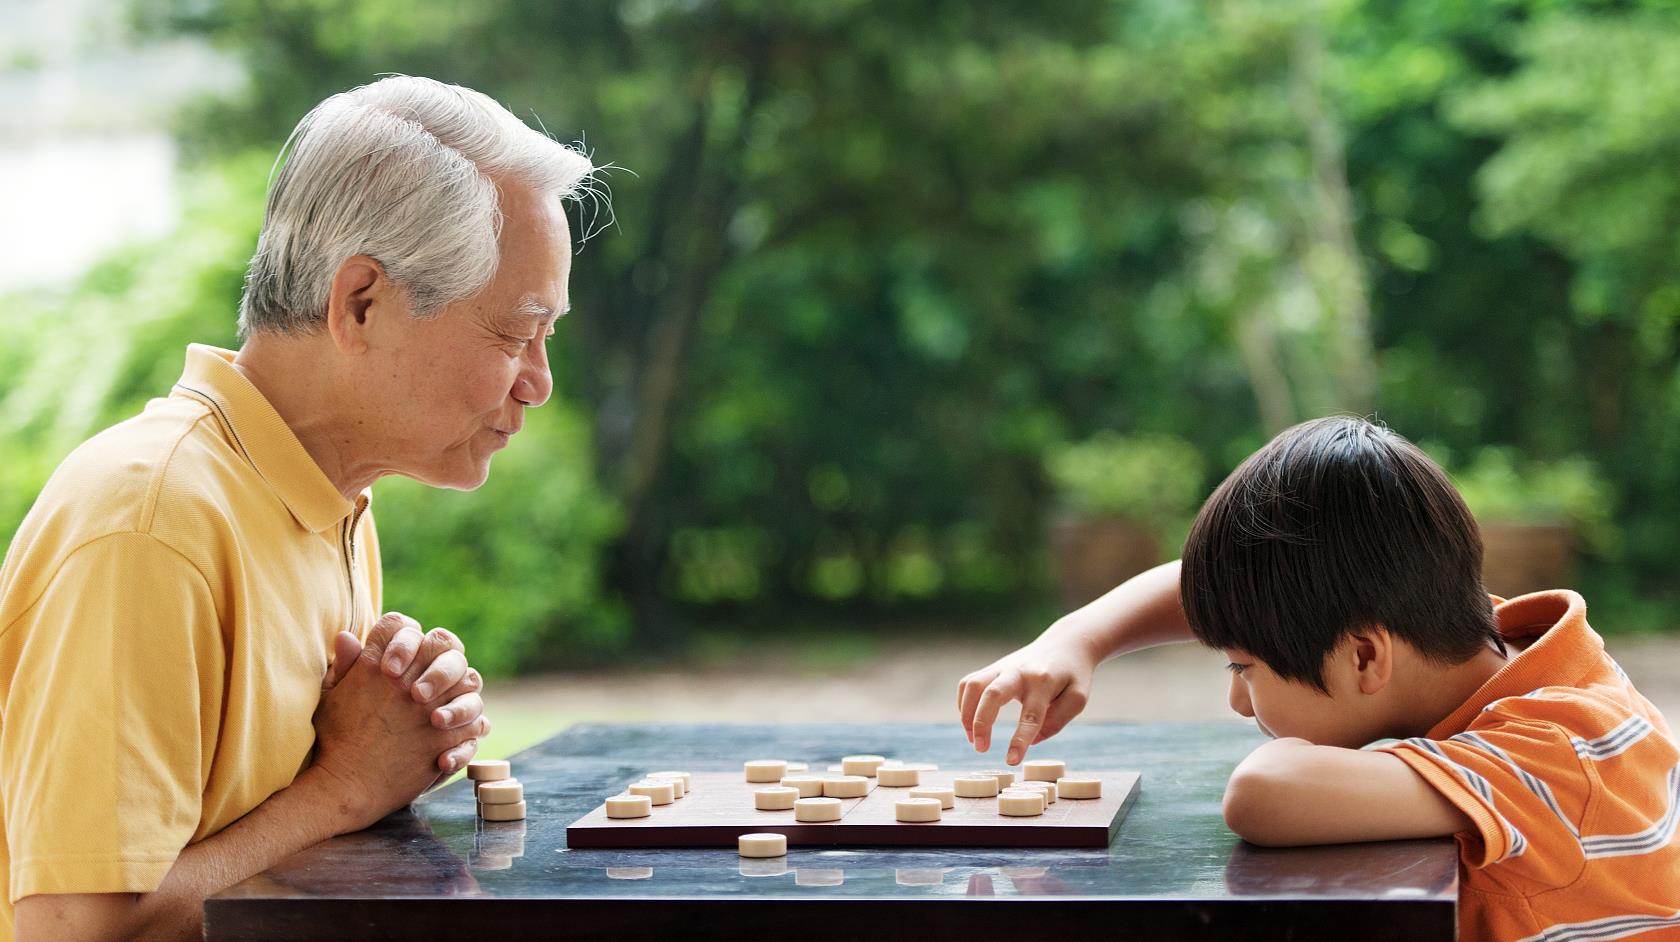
[[380, 635], [968, 697], [1061, 712], [445, 671], [1000, 691], [345, 649], [401, 651], [456, 758], [1034, 705], [435, 644], [458, 712]]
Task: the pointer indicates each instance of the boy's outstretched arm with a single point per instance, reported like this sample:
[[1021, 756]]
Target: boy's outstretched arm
[[1291, 792], [1052, 675]]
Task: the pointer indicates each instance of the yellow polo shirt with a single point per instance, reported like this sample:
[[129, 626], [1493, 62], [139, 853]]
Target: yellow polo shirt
[[167, 611]]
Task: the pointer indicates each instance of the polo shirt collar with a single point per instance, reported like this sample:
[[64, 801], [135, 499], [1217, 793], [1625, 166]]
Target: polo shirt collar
[[1564, 651], [263, 438]]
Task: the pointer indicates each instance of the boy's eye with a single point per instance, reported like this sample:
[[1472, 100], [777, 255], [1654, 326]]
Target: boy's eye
[[1236, 668]]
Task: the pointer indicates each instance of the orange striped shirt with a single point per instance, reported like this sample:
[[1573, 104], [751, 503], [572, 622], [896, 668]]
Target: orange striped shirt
[[1572, 781]]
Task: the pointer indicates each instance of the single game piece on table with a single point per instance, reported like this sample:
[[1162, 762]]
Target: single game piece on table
[[629, 806], [512, 812], [983, 785], [660, 793], [845, 786], [1048, 788], [865, 766], [946, 797], [809, 786], [501, 792], [769, 771], [687, 778], [1067, 787], [896, 777], [679, 786], [1043, 770], [917, 810], [817, 809], [775, 798], [1005, 777], [762, 845], [629, 873], [1022, 803]]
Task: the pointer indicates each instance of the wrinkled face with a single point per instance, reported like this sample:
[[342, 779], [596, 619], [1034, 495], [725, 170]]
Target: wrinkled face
[[459, 382], [1291, 708]]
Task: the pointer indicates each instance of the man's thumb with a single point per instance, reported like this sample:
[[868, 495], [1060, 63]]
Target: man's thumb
[[345, 648]]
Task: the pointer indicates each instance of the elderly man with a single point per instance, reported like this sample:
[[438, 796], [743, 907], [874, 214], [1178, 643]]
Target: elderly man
[[193, 682]]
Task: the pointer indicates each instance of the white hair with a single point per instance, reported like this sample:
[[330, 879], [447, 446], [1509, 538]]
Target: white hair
[[399, 170]]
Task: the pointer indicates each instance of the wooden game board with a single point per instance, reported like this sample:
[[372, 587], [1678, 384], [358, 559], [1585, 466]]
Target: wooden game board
[[720, 809]]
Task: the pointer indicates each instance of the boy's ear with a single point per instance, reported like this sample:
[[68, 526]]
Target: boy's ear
[[1371, 655], [360, 291]]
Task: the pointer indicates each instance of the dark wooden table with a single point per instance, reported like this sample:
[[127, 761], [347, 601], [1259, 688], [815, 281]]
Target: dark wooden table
[[1174, 871]]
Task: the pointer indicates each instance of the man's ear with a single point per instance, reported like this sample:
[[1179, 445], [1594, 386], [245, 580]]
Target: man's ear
[[360, 292], [1371, 656]]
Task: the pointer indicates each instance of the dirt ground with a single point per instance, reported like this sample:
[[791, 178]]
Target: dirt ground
[[916, 683]]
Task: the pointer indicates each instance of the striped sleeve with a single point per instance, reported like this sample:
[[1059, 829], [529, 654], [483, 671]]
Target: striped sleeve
[[1522, 785]]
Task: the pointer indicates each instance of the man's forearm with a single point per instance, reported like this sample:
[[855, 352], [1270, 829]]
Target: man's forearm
[[1141, 612], [305, 812]]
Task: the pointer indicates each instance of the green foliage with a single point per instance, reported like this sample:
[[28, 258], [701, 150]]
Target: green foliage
[[1153, 479], [1498, 486]]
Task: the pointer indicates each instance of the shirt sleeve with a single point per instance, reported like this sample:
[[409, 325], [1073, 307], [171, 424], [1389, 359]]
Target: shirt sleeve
[[111, 720], [1523, 788]]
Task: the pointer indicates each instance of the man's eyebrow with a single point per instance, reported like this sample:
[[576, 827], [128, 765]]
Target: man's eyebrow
[[535, 308]]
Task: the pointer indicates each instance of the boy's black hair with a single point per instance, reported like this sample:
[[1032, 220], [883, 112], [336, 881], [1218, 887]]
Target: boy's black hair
[[1334, 525]]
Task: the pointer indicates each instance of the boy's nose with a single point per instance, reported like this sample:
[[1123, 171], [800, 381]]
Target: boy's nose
[[1239, 697]]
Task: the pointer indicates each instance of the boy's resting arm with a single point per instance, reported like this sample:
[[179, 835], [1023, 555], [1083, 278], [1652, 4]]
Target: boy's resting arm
[[1290, 792], [1052, 675]]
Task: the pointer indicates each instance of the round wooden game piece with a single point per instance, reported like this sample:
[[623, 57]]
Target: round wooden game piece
[[946, 796], [1021, 804], [488, 770], [896, 777], [865, 766], [501, 792], [768, 867], [807, 876], [629, 806], [762, 845], [766, 770], [775, 798], [975, 786], [817, 809], [798, 767], [1048, 788], [810, 786], [1078, 787], [511, 812], [687, 777], [917, 810], [1043, 770], [1005, 777], [629, 873], [845, 786], [679, 787], [660, 793]]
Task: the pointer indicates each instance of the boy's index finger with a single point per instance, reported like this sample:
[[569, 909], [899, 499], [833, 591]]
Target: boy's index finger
[[968, 699], [1034, 706], [1004, 688]]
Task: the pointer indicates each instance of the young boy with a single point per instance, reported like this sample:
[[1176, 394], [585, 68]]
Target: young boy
[[1339, 572]]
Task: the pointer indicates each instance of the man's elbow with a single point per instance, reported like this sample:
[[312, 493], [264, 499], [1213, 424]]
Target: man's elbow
[[1253, 809]]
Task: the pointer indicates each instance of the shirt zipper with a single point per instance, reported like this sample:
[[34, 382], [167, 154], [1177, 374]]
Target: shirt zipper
[[348, 540]]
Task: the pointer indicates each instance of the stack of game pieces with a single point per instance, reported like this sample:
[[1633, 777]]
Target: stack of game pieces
[[500, 796]]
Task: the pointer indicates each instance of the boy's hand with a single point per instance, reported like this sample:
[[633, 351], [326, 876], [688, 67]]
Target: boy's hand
[[1051, 678]]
